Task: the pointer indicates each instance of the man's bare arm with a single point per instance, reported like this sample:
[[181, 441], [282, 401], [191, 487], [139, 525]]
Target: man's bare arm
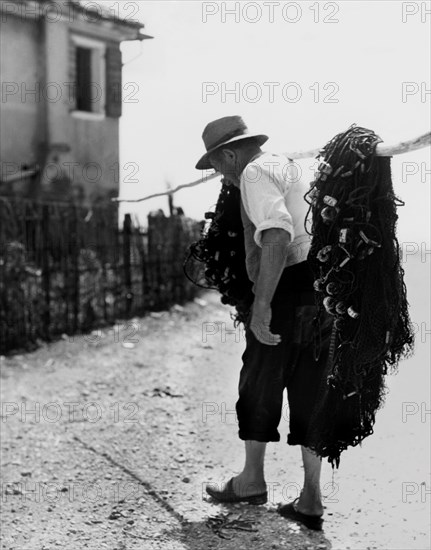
[[273, 259]]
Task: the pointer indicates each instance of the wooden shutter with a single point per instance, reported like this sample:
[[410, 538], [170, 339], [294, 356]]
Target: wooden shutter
[[113, 82], [72, 76]]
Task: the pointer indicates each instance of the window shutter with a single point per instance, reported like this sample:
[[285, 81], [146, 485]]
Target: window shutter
[[113, 82], [72, 76]]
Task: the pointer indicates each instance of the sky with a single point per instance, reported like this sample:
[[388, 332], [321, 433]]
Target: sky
[[327, 64]]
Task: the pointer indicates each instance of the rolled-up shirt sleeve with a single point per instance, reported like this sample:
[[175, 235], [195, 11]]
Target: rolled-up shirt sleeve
[[264, 201]]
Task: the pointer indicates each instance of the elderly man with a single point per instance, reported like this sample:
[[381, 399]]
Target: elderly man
[[279, 332]]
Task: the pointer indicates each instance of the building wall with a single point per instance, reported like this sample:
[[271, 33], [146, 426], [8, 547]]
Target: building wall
[[22, 113], [74, 150], [96, 146]]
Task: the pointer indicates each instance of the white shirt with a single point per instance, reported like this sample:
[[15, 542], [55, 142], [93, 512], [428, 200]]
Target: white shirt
[[272, 196]]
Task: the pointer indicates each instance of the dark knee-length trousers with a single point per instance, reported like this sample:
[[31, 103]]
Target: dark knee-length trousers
[[292, 364]]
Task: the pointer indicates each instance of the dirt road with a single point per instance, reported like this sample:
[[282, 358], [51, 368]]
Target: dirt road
[[109, 439]]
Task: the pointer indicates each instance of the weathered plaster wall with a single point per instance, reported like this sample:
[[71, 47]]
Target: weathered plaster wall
[[42, 128], [22, 112]]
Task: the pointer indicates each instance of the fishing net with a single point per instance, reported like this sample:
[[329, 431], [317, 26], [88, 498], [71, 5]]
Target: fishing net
[[359, 280], [217, 259], [355, 258]]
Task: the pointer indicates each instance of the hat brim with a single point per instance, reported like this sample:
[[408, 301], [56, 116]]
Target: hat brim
[[204, 162]]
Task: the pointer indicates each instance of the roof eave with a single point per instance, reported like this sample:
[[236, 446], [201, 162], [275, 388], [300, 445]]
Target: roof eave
[[141, 36], [117, 20]]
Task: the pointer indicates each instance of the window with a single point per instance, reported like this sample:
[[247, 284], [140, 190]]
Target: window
[[88, 75], [83, 80], [96, 74]]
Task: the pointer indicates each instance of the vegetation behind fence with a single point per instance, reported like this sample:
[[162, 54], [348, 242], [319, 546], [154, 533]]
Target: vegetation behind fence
[[66, 269]]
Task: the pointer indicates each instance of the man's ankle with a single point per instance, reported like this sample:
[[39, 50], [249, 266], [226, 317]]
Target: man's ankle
[[310, 503], [252, 476], [249, 485]]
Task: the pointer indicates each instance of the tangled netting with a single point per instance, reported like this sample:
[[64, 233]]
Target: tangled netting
[[217, 259], [355, 257]]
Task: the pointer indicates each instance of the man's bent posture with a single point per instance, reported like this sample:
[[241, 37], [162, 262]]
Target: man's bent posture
[[279, 332]]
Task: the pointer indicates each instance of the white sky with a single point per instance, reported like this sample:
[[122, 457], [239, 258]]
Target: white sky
[[368, 54]]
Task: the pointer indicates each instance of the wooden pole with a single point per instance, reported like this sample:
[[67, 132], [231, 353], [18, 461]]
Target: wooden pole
[[170, 191], [420, 142], [381, 151]]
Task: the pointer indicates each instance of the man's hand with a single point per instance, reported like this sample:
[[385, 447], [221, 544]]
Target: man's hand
[[260, 322], [272, 263]]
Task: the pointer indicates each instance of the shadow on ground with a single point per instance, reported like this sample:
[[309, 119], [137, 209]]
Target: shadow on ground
[[239, 528]]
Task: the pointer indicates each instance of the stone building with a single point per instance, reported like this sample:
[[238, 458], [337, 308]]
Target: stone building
[[61, 98]]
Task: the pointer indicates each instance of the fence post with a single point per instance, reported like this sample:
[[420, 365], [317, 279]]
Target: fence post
[[143, 247], [75, 258], [46, 276], [127, 230], [171, 205]]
